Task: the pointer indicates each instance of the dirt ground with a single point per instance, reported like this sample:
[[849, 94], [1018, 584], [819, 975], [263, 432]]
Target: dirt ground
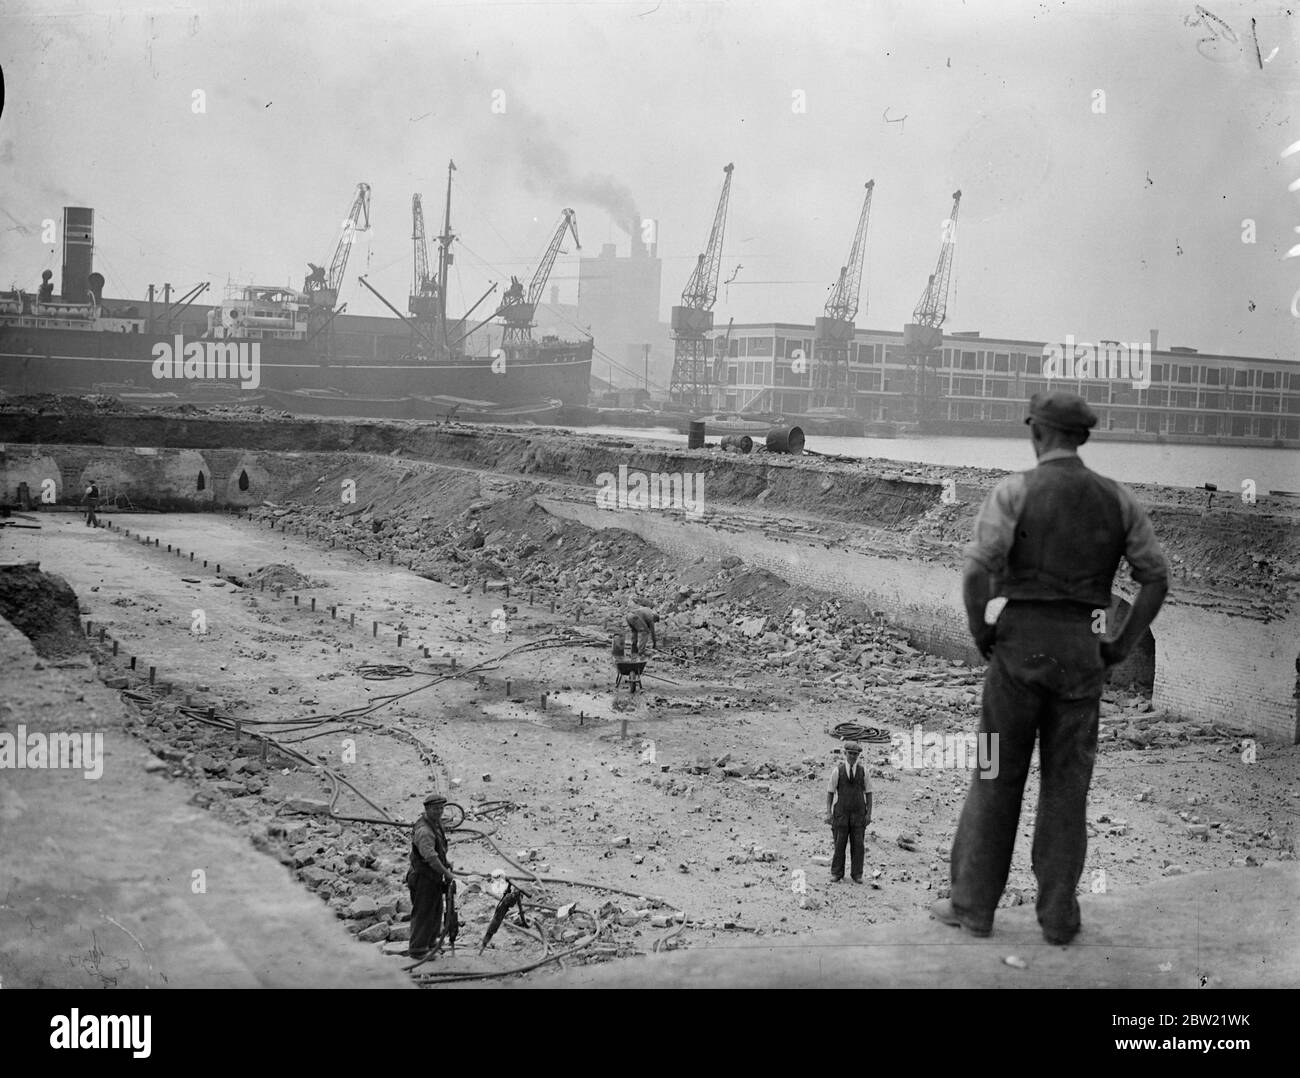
[[693, 827]]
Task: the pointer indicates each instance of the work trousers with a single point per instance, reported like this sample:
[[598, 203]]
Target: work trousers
[[852, 835], [1044, 679], [426, 912]]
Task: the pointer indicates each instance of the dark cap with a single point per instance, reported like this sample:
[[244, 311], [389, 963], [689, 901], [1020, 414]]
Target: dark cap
[[853, 748], [1061, 410], [435, 799]]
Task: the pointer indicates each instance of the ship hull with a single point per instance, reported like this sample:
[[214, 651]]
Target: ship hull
[[295, 375]]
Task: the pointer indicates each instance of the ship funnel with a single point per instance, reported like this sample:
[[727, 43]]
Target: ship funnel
[[78, 252]]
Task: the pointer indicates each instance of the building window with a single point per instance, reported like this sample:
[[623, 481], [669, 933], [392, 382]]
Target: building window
[[1001, 362], [1241, 378], [968, 361], [1266, 380], [1033, 364], [1211, 376]]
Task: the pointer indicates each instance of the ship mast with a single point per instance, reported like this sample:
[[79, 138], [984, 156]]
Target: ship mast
[[445, 257]]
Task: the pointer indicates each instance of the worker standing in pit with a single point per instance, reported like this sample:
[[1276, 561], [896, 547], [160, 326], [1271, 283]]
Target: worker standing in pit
[[429, 877], [642, 620], [848, 811]]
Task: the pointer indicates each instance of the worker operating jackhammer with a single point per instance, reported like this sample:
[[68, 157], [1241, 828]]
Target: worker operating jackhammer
[[429, 877], [641, 620]]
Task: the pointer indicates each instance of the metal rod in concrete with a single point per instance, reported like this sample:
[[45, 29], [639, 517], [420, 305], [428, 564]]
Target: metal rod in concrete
[[352, 621], [313, 604], [132, 662], [152, 672], [399, 640], [374, 628], [623, 729]]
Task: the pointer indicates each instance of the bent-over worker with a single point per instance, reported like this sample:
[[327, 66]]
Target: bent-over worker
[[640, 620]]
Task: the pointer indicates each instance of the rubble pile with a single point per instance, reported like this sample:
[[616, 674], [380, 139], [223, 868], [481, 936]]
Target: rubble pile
[[43, 608]]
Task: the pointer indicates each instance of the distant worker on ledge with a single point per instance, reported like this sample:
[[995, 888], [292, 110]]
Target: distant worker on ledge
[[640, 620], [46, 293], [92, 500]]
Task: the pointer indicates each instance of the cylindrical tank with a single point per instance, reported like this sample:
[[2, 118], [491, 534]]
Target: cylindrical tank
[[785, 440], [695, 434], [741, 443]]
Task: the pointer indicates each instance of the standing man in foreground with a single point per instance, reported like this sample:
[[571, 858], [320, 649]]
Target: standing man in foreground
[[848, 811], [1048, 540], [429, 876]]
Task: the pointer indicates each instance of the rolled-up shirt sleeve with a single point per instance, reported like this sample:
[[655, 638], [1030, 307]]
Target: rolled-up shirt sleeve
[[995, 524], [1141, 547]]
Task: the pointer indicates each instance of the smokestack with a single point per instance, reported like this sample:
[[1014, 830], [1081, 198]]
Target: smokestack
[[1155, 333], [78, 252]]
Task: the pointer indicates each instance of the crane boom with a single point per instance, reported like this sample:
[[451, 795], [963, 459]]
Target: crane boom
[[701, 290], [568, 223], [932, 307], [517, 309], [322, 286], [843, 301], [420, 275]]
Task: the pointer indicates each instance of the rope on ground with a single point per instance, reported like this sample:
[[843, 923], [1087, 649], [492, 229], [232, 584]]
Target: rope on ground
[[852, 731]]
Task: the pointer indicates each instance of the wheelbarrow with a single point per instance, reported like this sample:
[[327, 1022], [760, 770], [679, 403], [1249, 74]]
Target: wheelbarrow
[[630, 669]]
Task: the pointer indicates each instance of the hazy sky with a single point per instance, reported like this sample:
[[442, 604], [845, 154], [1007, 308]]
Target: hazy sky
[[1103, 224]]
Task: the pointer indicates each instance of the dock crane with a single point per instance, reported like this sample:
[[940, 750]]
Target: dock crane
[[423, 300], [692, 364], [923, 336], [517, 310], [833, 332], [323, 287]]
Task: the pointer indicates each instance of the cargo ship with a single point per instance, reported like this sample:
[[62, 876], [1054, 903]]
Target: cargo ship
[[293, 349]]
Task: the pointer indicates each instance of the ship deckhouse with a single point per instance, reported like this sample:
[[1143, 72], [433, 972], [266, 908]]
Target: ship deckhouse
[[261, 312]]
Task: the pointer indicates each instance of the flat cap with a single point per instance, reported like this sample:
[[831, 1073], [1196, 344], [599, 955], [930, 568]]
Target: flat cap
[[435, 799], [853, 747], [1061, 410]]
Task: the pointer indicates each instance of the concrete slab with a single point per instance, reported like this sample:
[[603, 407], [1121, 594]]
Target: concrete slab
[[119, 882], [1229, 929]]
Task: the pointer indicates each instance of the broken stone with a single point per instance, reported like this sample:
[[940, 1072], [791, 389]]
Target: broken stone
[[1016, 962], [399, 932], [364, 906], [374, 934], [306, 804], [155, 764]]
